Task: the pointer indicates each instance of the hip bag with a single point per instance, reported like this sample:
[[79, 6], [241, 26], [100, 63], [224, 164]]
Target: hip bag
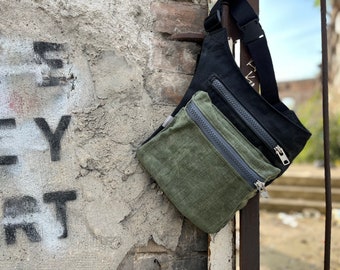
[[224, 141]]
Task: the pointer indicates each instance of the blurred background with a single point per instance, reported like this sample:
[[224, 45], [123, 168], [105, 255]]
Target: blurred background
[[294, 35], [292, 220]]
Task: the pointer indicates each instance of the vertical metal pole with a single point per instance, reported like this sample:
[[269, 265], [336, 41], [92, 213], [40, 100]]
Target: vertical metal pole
[[250, 235], [325, 108], [250, 216]]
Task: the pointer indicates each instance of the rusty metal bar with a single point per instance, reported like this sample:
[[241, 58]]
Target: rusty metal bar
[[325, 108], [249, 216], [250, 235]]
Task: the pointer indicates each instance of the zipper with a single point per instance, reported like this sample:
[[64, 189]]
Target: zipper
[[253, 124], [226, 149]]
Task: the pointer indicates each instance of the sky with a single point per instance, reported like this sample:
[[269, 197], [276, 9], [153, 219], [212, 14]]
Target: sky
[[293, 32]]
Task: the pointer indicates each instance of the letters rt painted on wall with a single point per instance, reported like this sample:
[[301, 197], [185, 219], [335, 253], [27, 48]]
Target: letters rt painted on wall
[[18, 212]]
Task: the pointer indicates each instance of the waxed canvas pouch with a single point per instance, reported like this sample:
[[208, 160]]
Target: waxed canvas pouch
[[204, 165]]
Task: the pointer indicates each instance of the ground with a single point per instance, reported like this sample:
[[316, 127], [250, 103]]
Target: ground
[[298, 244]]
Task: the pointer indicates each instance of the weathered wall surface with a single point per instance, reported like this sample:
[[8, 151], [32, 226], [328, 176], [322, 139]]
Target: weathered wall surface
[[82, 83]]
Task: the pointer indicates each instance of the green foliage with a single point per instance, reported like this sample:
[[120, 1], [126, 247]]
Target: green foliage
[[310, 114]]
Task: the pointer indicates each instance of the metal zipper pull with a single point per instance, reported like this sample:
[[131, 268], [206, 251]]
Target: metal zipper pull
[[261, 187], [282, 155], [167, 121], [250, 120]]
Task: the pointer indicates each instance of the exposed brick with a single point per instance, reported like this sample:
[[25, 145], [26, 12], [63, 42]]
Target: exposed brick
[[192, 239], [190, 254], [178, 17], [167, 87], [175, 56]]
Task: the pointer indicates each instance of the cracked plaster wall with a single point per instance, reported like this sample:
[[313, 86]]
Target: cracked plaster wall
[[108, 79]]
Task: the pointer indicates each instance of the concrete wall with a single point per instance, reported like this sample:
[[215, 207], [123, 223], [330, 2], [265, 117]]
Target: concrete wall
[[82, 83]]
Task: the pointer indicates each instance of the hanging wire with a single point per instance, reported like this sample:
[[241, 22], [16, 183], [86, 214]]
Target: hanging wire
[[325, 108]]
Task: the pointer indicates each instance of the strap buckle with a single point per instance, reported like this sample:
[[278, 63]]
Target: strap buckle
[[213, 21], [251, 31]]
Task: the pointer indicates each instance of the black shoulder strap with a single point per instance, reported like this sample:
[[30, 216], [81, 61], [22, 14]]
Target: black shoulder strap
[[253, 36]]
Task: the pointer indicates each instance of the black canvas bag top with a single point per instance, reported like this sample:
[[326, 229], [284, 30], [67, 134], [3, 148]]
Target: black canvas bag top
[[263, 119]]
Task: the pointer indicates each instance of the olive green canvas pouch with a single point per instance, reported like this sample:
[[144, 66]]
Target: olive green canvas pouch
[[204, 165]]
